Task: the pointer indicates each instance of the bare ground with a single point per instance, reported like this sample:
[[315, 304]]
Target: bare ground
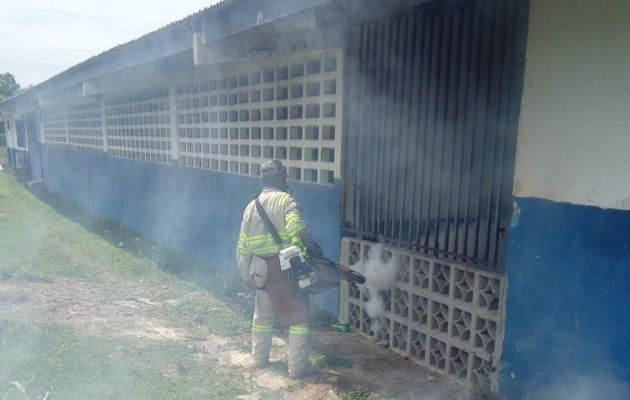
[[134, 311]]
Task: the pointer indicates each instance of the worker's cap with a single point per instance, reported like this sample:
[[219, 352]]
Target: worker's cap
[[273, 168]]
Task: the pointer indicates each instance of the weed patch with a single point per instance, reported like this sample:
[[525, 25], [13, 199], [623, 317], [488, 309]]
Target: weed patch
[[329, 361], [204, 314], [360, 393]]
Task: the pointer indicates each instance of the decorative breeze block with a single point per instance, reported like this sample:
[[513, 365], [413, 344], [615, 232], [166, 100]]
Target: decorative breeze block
[[444, 315]]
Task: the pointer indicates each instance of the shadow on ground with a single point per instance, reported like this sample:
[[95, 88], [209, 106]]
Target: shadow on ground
[[345, 363], [224, 284]]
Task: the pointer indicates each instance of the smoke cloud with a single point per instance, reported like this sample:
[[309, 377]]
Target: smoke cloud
[[583, 387], [379, 269]]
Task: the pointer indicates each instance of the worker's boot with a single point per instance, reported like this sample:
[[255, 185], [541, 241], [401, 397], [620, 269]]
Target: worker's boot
[[299, 351], [262, 327]]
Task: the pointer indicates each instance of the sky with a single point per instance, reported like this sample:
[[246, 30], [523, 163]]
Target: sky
[[40, 38]]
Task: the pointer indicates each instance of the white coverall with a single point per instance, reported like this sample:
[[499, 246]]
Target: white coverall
[[256, 253]]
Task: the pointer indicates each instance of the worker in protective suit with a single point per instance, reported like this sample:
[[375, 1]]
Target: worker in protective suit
[[259, 265]]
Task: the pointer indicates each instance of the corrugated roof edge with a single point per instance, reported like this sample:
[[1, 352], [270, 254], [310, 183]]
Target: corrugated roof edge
[[204, 11]]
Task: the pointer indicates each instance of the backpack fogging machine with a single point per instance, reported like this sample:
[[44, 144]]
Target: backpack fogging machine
[[311, 275], [314, 275]]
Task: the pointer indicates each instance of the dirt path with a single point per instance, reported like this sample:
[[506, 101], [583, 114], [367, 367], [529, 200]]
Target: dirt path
[[89, 308], [347, 361]]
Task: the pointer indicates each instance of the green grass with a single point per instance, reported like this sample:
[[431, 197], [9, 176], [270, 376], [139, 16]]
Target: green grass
[[45, 358], [43, 238], [3, 155], [38, 242], [203, 316]]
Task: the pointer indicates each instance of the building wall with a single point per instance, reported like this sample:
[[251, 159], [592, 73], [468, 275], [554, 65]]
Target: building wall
[[180, 162], [188, 209], [11, 136], [573, 142], [9, 125], [9, 131], [568, 263]]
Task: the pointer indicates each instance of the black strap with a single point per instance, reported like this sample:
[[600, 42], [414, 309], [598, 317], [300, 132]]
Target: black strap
[[268, 224]]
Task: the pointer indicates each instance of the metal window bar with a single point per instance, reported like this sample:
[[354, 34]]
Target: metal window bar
[[433, 99]]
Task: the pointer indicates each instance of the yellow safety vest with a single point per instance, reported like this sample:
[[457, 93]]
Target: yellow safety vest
[[284, 213]]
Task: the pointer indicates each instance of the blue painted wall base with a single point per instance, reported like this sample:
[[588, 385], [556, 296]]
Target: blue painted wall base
[[11, 157], [568, 316], [196, 211]]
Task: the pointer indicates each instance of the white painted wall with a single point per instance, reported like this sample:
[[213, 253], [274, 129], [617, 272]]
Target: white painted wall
[[574, 133], [9, 125]]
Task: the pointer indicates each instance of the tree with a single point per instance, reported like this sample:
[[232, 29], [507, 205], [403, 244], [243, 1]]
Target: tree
[[8, 86]]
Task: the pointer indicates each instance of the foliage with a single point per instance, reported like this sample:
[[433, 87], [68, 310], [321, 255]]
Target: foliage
[[360, 393], [321, 317], [8, 86], [324, 362]]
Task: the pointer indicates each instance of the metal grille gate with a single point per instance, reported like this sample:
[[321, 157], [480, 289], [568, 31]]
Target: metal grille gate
[[433, 97], [432, 108]]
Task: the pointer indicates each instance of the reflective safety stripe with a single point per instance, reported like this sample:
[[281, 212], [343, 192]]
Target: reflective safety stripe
[[300, 329], [294, 230], [294, 224], [265, 251], [244, 250], [283, 199], [293, 217], [263, 238], [257, 328], [261, 245]]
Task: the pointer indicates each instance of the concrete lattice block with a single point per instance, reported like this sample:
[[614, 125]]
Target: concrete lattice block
[[401, 303], [464, 285], [419, 309], [387, 255], [442, 314], [420, 273], [418, 345], [383, 330], [458, 363], [402, 275], [386, 295], [365, 250], [399, 336], [366, 323], [354, 316], [354, 291], [440, 279], [437, 354], [481, 371], [439, 317], [364, 295], [489, 289], [225, 110], [485, 334], [461, 325], [354, 253]]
